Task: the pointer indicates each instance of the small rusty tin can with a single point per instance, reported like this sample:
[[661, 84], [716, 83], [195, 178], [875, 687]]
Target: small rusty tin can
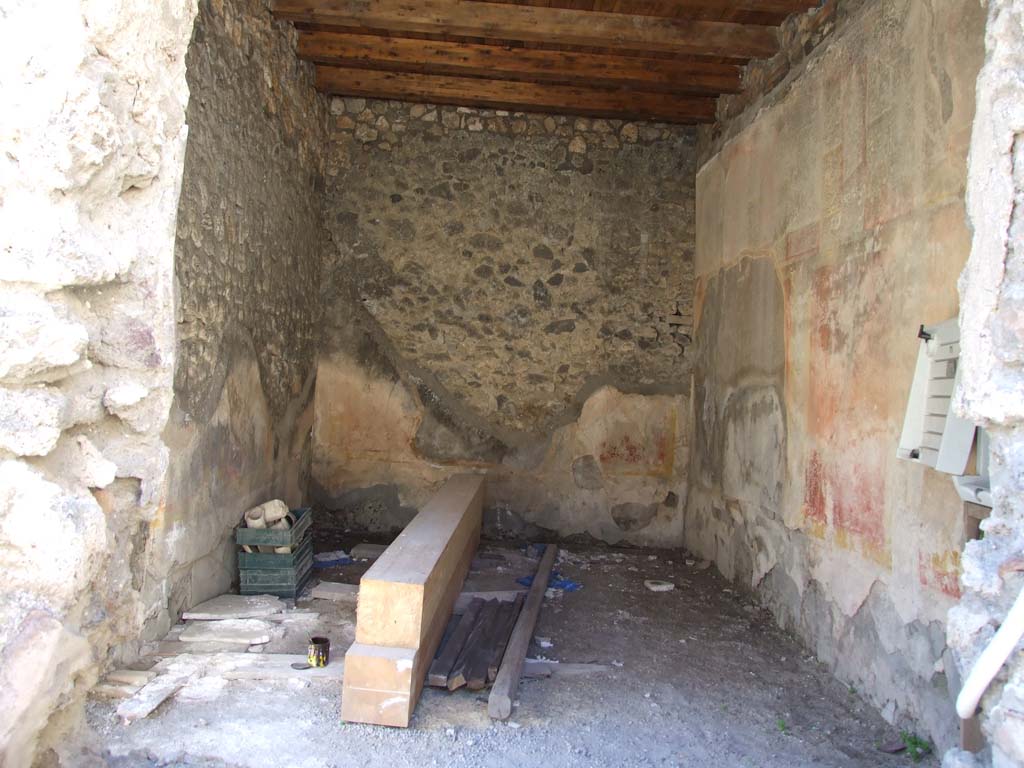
[[319, 653]]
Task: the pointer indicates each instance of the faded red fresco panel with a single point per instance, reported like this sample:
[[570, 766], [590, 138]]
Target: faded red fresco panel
[[814, 492], [846, 474], [940, 571], [625, 450], [859, 505], [651, 454]]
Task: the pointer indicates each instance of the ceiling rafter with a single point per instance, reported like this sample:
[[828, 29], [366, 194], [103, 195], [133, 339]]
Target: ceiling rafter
[[642, 59]]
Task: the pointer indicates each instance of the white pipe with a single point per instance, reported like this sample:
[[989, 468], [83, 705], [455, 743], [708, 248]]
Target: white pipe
[[991, 660]]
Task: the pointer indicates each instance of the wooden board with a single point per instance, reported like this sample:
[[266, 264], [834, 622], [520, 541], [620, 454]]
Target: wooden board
[[551, 26], [405, 599], [473, 646], [438, 57], [499, 703], [748, 11], [509, 615], [441, 667], [515, 96]]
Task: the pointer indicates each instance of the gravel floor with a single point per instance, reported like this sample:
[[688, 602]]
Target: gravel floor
[[698, 676]]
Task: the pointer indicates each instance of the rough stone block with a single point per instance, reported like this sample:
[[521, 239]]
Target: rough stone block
[[30, 420], [35, 343]]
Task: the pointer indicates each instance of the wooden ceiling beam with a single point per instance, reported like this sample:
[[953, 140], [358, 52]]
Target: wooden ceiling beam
[[495, 21], [521, 64], [773, 11], [515, 96]]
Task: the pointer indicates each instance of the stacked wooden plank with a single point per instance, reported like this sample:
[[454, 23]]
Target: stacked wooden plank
[[472, 652], [405, 600]]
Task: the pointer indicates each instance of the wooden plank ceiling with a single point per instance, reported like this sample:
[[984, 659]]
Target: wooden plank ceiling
[[665, 60]]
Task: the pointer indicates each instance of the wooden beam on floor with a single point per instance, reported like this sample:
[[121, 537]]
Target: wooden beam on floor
[[515, 97], [553, 26], [405, 600], [431, 57], [499, 703]]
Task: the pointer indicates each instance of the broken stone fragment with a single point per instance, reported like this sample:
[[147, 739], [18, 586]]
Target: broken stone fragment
[[78, 458], [142, 409]]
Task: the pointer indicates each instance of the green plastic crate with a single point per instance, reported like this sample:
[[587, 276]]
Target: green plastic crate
[[273, 560], [270, 573], [283, 582]]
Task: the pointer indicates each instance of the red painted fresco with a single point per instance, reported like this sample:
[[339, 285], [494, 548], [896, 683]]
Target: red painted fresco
[[814, 492], [624, 450], [859, 505], [845, 476], [941, 572]]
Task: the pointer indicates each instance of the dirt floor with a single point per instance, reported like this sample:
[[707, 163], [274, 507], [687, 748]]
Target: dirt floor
[[697, 676]]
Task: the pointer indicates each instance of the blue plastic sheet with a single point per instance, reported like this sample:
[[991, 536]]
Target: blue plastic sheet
[[557, 581], [320, 562]]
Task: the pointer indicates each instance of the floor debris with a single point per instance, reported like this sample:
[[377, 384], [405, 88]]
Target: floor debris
[[329, 590], [581, 707], [172, 678], [656, 585]]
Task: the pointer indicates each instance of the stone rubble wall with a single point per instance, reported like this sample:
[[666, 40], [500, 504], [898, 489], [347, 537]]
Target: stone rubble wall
[[992, 370], [92, 137], [248, 258], [510, 292], [830, 225]]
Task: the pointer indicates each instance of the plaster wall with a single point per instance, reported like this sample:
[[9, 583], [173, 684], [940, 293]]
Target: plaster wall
[[830, 225]]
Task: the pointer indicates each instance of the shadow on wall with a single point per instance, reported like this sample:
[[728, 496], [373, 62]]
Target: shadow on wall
[[617, 473]]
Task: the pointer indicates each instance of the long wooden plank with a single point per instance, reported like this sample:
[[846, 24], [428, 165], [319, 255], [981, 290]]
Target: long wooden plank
[[499, 703], [510, 613], [405, 599], [441, 667], [431, 57], [473, 646], [557, 26], [514, 96]]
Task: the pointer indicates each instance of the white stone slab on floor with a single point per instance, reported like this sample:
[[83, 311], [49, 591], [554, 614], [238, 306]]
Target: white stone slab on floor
[[251, 631], [235, 607]]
